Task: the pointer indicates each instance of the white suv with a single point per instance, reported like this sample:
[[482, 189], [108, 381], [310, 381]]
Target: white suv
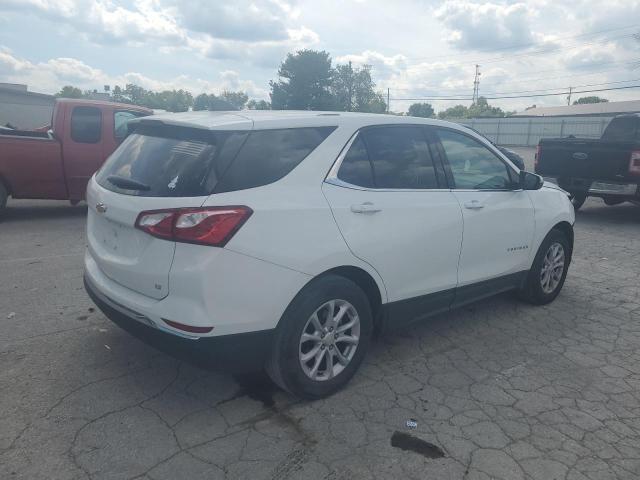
[[283, 240]]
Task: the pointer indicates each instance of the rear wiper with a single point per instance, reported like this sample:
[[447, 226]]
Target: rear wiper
[[127, 183]]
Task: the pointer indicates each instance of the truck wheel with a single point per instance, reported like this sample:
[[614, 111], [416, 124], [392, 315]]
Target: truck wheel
[[322, 338], [578, 200], [613, 201], [549, 270], [4, 195]]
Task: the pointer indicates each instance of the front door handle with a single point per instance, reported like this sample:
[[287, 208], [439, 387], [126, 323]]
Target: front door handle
[[473, 205], [366, 207]]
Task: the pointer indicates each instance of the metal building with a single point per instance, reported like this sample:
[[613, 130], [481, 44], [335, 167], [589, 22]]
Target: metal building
[[23, 109]]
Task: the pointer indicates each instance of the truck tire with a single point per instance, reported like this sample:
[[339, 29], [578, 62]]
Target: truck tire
[[611, 201], [4, 195], [578, 200], [549, 270], [322, 338]]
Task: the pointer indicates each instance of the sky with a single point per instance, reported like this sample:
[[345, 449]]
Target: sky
[[417, 48]]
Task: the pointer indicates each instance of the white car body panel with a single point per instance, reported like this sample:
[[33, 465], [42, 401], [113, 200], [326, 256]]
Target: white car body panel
[[421, 243]]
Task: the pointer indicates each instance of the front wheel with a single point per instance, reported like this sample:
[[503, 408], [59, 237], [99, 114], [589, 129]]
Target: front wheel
[[322, 338], [578, 200], [549, 270]]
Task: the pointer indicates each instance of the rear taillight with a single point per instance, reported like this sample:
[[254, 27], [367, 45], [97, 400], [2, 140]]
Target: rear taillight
[[634, 163], [213, 226]]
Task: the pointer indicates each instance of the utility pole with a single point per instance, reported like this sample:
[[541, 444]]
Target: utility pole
[[476, 85], [388, 95], [569, 96]]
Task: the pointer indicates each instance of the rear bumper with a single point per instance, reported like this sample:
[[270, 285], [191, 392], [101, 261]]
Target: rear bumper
[[597, 188], [243, 352]]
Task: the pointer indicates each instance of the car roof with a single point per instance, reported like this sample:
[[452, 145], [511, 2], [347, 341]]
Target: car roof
[[98, 103], [271, 119]]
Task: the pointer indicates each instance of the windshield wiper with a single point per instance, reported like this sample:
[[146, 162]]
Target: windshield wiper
[[127, 183]]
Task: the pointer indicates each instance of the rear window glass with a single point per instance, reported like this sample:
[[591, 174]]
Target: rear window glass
[[625, 128], [86, 124], [269, 155], [182, 162]]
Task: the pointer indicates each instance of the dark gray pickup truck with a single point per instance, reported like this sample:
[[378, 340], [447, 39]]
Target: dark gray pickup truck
[[608, 168]]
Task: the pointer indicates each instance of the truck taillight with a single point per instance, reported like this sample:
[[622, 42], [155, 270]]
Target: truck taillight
[[213, 226], [634, 163]]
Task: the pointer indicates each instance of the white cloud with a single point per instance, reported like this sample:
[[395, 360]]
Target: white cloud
[[50, 76], [486, 26]]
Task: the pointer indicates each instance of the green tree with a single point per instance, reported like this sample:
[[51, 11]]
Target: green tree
[[353, 90], [304, 82], [592, 99], [237, 99], [482, 109], [424, 110], [201, 102], [69, 91], [459, 111], [258, 105]]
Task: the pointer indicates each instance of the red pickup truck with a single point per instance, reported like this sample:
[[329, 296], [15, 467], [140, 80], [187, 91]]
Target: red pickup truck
[[57, 162]]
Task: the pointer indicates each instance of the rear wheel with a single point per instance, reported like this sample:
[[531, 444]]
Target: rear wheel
[[578, 200], [549, 270], [613, 201], [322, 338]]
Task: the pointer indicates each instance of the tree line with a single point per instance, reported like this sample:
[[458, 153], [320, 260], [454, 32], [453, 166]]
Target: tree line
[[307, 80]]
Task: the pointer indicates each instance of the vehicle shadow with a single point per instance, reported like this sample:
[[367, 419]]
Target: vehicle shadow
[[596, 212], [20, 211]]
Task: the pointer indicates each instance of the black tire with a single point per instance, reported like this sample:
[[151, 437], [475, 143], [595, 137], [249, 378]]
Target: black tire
[[532, 291], [4, 195], [284, 365], [577, 201], [611, 201]]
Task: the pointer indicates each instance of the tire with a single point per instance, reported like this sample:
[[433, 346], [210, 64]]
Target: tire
[[286, 366], [611, 201], [536, 290], [4, 195], [578, 200]]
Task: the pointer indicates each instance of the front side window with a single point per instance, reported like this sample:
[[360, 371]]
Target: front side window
[[400, 158], [120, 120], [86, 124], [473, 165]]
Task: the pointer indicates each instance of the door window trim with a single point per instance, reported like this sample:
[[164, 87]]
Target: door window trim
[[332, 176], [447, 165]]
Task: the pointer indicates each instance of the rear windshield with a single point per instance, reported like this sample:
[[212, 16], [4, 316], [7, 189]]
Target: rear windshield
[[623, 129], [182, 162]]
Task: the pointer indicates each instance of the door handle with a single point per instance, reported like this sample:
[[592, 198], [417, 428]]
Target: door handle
[[473, 205], [366, 207]]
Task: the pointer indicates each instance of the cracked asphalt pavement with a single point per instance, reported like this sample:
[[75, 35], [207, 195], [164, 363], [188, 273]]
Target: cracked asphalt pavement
[[497, 390]]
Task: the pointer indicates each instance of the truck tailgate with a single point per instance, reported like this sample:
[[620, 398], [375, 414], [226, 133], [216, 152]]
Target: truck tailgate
[[592, 159]]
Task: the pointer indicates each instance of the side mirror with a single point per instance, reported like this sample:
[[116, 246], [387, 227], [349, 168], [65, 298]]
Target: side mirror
[[530, 181]]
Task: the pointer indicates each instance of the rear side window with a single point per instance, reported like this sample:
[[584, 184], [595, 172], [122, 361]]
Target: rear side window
[[623, 129], [86, 124], [400, 158], [356, 168], [269, 155], [169, 162]]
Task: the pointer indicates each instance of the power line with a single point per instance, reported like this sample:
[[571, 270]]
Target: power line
[[544, 90], [520, 96]]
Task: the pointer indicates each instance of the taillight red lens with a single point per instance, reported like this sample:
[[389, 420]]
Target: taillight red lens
[[634, 163], [213, 226]]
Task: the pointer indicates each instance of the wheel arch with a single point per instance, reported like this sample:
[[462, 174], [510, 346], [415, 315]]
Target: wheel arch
[[567, 229], [367, 283]]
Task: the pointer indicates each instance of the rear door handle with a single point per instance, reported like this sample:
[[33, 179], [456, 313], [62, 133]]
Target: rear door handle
[[366, 207], [473, 205]]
